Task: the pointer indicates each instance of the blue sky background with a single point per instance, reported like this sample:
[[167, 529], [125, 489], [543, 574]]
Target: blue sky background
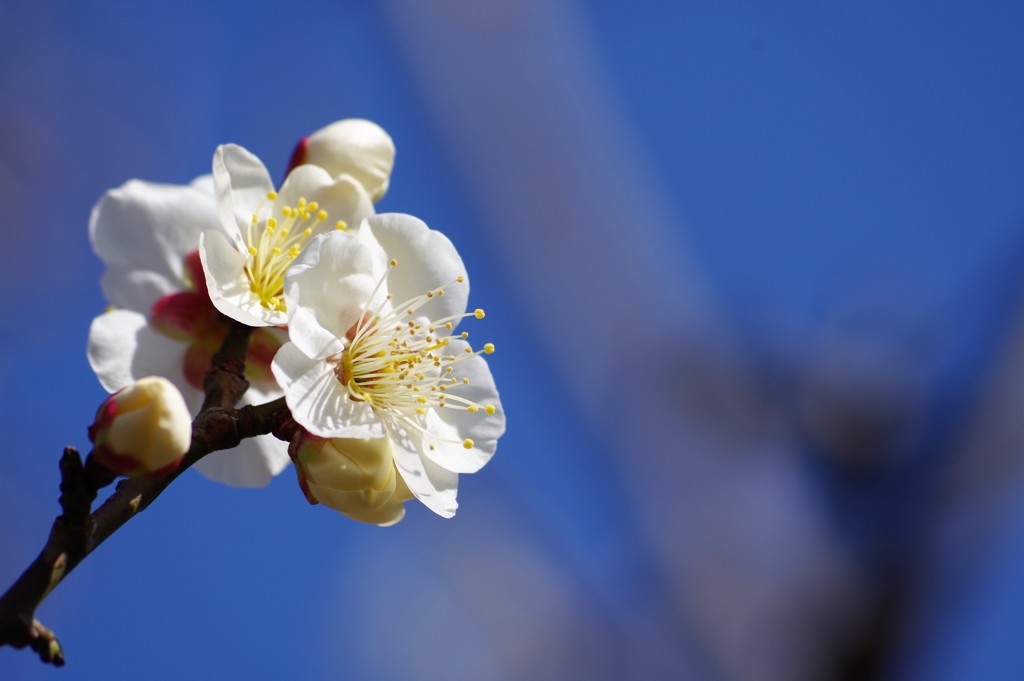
[[822, 207]]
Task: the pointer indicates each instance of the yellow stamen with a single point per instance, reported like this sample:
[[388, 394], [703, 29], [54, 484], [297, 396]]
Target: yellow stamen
[[402, 367], [272, 249]]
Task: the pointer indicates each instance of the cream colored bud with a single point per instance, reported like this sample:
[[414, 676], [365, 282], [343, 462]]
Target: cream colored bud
[[144, 428], [356, 147], [354, 477]]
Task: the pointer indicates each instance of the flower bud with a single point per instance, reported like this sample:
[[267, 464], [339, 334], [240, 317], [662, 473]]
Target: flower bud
[[355, 147], [353, 476], [142, 429]]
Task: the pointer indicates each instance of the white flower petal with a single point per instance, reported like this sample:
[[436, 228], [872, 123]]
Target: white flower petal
[[204, 183], [355, 147], [143, 231], [344, 199], [331, 281], [436, 487], [426, 260], [318, 402], [302, 182], [123, 348], [309, 336], [453, 426], [224, 266], [481, 389], [253, 463], [136, 290], [341, 198], [242, 183]]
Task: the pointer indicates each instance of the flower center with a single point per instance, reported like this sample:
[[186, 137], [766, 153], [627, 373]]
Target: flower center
[[403, 367], [272, 243]]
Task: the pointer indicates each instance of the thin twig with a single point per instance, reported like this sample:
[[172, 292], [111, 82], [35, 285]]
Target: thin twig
[[76, 532]]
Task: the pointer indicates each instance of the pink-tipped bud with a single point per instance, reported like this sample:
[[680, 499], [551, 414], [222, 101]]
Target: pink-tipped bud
[[142, 429], [353, 146], [354, 477]]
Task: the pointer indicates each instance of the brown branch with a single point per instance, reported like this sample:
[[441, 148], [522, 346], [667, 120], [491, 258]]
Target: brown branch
[[76, 532], [225, 382]]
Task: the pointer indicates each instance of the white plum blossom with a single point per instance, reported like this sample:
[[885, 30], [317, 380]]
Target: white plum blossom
[[263, 230], [373, 353], [162, 322], [355, 147]]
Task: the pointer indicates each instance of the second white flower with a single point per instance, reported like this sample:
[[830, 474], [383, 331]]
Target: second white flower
[[374, 353]]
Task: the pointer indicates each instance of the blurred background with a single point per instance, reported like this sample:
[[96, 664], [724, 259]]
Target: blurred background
[[754, 273]]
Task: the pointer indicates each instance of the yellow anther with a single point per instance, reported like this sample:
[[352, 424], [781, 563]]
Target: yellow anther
[[313, 206], [465, 334], [293, 251], [304, 214], [307, 231], [421, 400], [286, 211], [460, 279], [271, 224], [394, 263], [255, 218], [321, 216], [488, 348], [271, 195], [285, 232], [275, 250], [478, 313], [421, 411], [302, 202], [449, 326], [472, 409], [468, 443], [252, 251], [340, 224], [469, 349], [490, 409], [465, 381]]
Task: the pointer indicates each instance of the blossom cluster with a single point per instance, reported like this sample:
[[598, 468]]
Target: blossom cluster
[[356, 320]]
